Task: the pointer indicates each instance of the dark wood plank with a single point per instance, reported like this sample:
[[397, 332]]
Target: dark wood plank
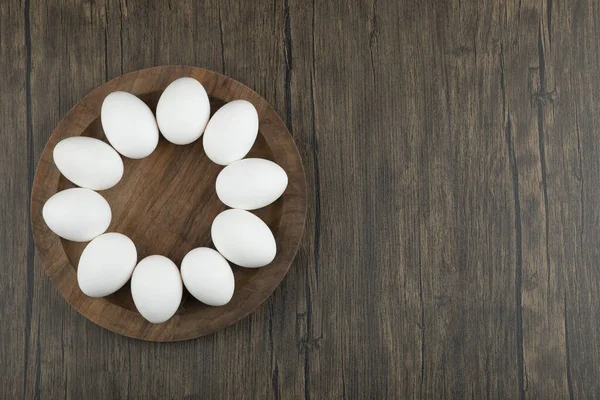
[[453, 192], [567, 104], [452, 160], [67, 62], [525, 59], [16, 171]]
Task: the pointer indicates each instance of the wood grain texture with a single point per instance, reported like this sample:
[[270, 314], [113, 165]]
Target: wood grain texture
[[452, 159], [166, 204]]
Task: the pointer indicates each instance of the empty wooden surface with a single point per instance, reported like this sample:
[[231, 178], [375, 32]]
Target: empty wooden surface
[[452, 153]]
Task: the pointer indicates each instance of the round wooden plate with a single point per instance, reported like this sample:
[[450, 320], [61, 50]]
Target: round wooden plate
[[166, 204]]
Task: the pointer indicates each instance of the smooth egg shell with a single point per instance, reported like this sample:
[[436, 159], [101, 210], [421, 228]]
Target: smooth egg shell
[[129, 125], [231, 132], [208, 276], [251, 183], [156, 288], [183, 111], [77, 214], [88, 162], [106, 264], [243, 238]]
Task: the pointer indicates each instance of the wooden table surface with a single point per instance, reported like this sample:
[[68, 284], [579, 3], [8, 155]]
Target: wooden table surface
[[452, 153]]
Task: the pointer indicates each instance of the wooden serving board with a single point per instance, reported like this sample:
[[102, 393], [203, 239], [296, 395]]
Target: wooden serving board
[[166, 204]]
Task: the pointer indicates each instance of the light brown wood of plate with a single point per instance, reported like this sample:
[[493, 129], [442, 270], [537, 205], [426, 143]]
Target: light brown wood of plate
[[166, 204]]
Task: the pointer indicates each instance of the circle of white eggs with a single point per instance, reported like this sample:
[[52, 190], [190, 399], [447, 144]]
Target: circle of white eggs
[[110, 259]]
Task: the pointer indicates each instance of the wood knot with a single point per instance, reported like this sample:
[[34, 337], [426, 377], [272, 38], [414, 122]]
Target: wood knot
[[312, 343], [536, 85]]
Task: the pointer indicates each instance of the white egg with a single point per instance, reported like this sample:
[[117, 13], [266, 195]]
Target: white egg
[[183, 111], [231, 132], [251, 183], [106, 264], [208, 276], [129, 125], [243, 238], [88, 162], [156, 288], [77, 214]]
